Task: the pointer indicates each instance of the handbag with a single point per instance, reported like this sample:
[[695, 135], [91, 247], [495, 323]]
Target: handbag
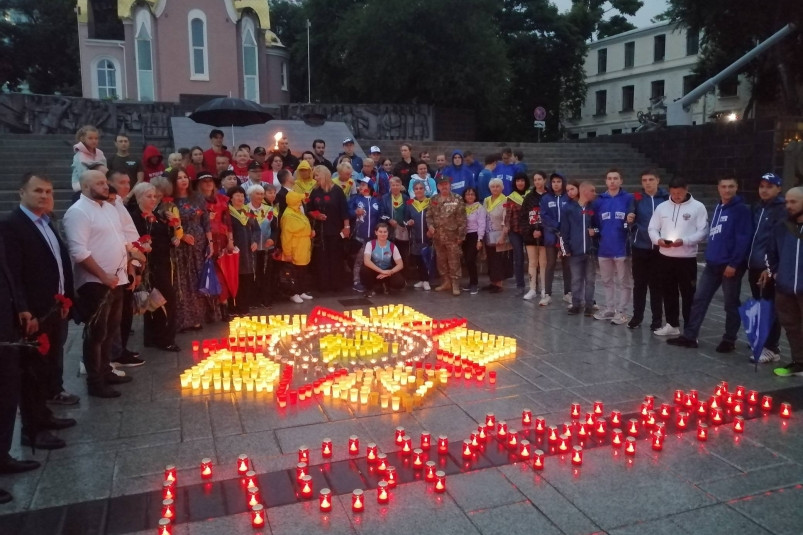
[[401, 233], [208, 283], [148, 301], [288, 283]]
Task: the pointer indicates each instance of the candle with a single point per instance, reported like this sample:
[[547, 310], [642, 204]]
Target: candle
[[206, 468], [717, 415], [540, 426], [524, 449], [563, 444], [443, 444], [616, 417], [242, 464], [371, 451], [657, 441], [168, 510], [702, 409], [618, 437], [575, 410], [325, 500], [390, 476], [250, 479], [752, 397], [786, 410], [702, 432], [306, 487], [598, 408], [418, 459], [196, 346], [481, 434], [164, 527], [512, 439], [682, 420], [583, 431], [429, 470], [168, 490], [492, 377], [632, 427], [688, 401], [382, 494], [170, 473], [577, 456], [591, 419], [695, 396], [766, 403], [602, 428], [552, 435], [650, 401], [381, 462], [407, 445], [357, 503], [501, 429], [738, 406], [730, 398], [354, 445], [566, 429], [740, 391], [426, 440], [303, 454], [666, 411], [467, 449], [526, 417], [326, 448], [630, 446], [301, 471], [650, 420], [538, 460], [253, 496], [738, 424], [679, 396], [490, 420], [440, 481], [257, 516], [399, 436]]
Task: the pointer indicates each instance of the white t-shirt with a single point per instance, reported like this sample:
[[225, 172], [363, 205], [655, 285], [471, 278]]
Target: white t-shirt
[[382, 257]]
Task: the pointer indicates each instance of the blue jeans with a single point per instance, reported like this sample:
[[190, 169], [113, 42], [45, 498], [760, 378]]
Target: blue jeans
[[584, 274], [707, 286], [517, 242]]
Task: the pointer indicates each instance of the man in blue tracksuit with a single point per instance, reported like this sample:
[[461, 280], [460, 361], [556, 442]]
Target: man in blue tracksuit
[[578, 230], [612, 209], [725, 262], [462, 177], [645, 256], [786, 266], [505, 169], [552, 205], [767, 213]]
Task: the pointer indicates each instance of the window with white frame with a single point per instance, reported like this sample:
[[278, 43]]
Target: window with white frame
[[144, 57], [199, 45], [250, 62], [107, 79]]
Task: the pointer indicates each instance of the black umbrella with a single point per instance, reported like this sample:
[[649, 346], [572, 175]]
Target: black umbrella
[[228, 111]]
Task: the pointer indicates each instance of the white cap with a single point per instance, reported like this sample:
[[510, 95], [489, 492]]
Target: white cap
[[374, 148]]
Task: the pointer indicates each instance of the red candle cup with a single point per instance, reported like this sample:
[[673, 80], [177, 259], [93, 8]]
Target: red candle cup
[[512, 439], [306, 487], [206, 468], [325, 500], [616, 417], [766, 403], [168, 490], [679, 396], [738, 424], [552, 435], [786, 410], [258, 516], [617, 437], [665, 412], [717, 416], [407, 445], [303, 454], [702, 432], [196, 346], [382, 494], [164, 527], [501, 429], [632, 427], [650, 401], [492, 377], [682, 420], [490, 420], [326, 448], [577, 456], [740, 391], [429, 470], [354, 445], [524, 449], [695, 396], [357, 501], [538, 460], [391, 477], [583, 431], [301, 471], [563, 443], [467, 449], [730, 399], [752, 397], [738, 407], [688, 401], [714, 402], [526, 417], [443, 444], [649, 421], [243, 464], [702, 409], [253, 496], [475, 443], [630, 446], [599, 408], [170, 473], [482, 436], [724, 386], [168, 509], [426, 440], [250, 479], [566, 428], [371, 451], [381, 463], [399, 436], [601, 427], [591, 419], [418, 459], [540, 426], [440, 481], [575, 410], [658, 441]]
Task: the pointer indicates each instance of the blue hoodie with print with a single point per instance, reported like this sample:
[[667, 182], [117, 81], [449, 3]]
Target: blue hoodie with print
[[765, 217], [730, 234], [644, 206], [462, 177], [505, 172], [611, 212], [574, 229], [365, 224], [551, 208]]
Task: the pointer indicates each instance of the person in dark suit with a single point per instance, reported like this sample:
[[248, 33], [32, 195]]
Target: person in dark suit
[[13, 321], [41, 265]]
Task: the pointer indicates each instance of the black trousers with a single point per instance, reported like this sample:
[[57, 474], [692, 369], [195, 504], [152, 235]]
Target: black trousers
[[42, 377], [159, 328], [647, 275], [245, 294], [101, 328], [9, 396], [678, 275], [327, 263], [768, 292], [368, 278], [264, 278], [789, 309], [127, 318], [470, 257]]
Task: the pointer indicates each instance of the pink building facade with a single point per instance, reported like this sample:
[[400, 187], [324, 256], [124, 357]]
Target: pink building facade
[[163, 50]]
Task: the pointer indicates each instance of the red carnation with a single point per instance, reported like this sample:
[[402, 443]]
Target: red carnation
[[145, 238], [326, 198], [637, 196], [199, 212], [410, 201], [150, 218], [252, 215], [167, 199], [63, 300], [43, 344], [270, 215]]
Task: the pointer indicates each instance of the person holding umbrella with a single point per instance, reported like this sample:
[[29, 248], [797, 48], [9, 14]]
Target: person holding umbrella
[[217, 149]]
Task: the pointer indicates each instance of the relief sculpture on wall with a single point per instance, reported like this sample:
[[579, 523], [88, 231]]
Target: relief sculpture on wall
[[371, 121]]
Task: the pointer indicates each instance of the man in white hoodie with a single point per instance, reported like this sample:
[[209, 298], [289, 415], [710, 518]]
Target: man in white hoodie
[[677, 227]]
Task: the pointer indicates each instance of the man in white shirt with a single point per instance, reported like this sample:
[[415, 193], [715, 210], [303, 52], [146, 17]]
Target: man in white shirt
[[99, 252]]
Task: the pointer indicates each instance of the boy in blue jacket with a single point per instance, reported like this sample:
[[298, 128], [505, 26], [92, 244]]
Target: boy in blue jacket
[[367, 212], [551, 209], [786, 265], [725, 263], [613, 212], [577, 229]]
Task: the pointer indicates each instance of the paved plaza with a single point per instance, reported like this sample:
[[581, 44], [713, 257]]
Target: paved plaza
[[108, 479]]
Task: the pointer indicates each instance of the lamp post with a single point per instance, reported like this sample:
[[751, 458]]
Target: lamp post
[[309, 71]]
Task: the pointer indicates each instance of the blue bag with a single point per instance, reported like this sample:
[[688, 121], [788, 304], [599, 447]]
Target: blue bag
[[209, 284]]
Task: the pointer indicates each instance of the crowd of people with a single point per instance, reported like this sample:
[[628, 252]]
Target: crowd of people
[[303, 225]]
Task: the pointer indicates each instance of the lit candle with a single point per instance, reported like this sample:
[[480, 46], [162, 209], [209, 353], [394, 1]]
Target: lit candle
[[552, 435], [591, 419], [650, 420], [382, 494], [577, 456], [501, 429], [443, 444], [168, 490], [618, 437], [702, 432], [679, 397], [253, 496], [575, 410], [563, 444], [440, 481], [524, 449], [467, 449], [682, 420], [730, 398], [512, 439], [325, 500], [632, 427], [738, 424], [602, 428], [688, 401], [357, 503], [540, 425], [301, 471], [752, 397], [242, 464], [766, 403], [717, 415], [170, 473], [786, 410], [306, 487], [168, 510], [429, 470], [407, 445], [390, 476], [354, 445], [598, 408], [381, 463], [371, 451], [399, 436], [257, 516], [418, 459], [583, 431], [481, 434], [665, 411], [738, 406], [426, 440], [326, 448], [695, 396], [566, 429], [196, 346], [492, 377], [630, 446], [303, 454], [490, 420], [250, 479], [526, 417], [616, 417], [702, 409], [164, 527], [538, 460], [206, 468], [740, 391]]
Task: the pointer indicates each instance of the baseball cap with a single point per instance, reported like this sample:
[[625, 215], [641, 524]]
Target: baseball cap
[[260, 150], [204, 175], [255, 166], [772, 178], [348, 140], [374, 149], [444, 178]]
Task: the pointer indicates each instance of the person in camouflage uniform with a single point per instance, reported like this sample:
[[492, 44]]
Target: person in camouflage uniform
[[446, 219]]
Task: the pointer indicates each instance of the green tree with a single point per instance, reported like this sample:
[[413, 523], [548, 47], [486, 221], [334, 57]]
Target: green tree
[[39, 45], [730, 28]]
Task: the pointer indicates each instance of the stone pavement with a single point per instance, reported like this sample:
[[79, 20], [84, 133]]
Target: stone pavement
[[107, 479]]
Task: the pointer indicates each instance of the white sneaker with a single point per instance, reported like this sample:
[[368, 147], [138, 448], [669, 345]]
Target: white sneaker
[[620, 319], [545, 300], [427, 286], [296, 299], [768, 355], [305, 296], [118, 373], [568, 298], [604, 315], [530, 295], [667, 330], [419, 284]]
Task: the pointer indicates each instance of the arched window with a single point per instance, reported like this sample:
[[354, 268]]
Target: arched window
[[250, 61], [199, 53], [144, 57], [107, 82]]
